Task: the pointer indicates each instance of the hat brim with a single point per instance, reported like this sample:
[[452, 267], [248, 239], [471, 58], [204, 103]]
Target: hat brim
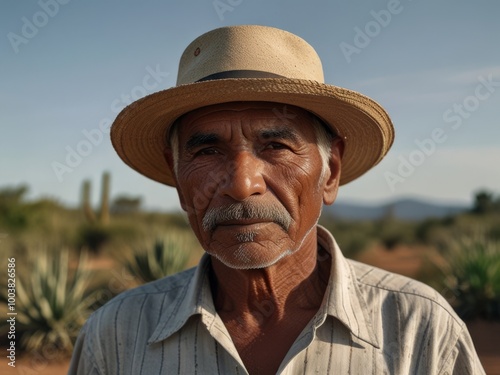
[[139, 132]]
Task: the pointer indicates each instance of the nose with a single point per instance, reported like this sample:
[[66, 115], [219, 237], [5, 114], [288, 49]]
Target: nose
[[245, 178]]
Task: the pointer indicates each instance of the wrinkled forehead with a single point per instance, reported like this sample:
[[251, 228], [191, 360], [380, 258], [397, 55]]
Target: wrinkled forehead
[[271, 114]]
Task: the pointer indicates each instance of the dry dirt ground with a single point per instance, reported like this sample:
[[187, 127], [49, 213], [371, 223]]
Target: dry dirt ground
[[404, 260]]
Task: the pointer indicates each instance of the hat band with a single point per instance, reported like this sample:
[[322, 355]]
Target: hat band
[[240, 74]]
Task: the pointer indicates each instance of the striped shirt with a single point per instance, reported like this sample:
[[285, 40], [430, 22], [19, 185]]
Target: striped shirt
[[371, 322]]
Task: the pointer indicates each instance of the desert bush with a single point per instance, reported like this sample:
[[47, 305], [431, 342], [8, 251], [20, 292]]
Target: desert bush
[[474, 277], [485, 202], [353, 237], [353, 245], [51, 302], [97, 237], [93, 237], [14, 215], [428, 229], [165, 256], [391, 232], [125, 204]]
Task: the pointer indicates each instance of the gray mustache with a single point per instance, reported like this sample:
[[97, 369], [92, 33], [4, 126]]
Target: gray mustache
[[250, 211]]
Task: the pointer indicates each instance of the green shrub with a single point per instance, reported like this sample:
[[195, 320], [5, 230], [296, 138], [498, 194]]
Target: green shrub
[[93, 237], [353, 237], [51, 302], [166, 256], [14, 215], [392, 233], [474, 277]]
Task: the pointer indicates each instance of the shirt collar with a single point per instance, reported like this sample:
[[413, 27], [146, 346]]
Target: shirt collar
[[343, 301], [194, 298]]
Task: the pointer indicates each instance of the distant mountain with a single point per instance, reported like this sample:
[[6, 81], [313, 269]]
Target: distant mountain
[[405, 209]]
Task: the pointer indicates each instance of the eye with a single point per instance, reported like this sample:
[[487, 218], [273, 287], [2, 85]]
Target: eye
[[276, 146], [207, 151]]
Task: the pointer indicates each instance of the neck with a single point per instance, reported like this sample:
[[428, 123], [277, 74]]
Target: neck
[[264, 310], [295, 284]]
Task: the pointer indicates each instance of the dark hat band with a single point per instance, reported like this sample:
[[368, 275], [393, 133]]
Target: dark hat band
[[240, 74]]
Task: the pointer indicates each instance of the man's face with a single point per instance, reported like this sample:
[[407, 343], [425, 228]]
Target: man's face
[[249, 177]]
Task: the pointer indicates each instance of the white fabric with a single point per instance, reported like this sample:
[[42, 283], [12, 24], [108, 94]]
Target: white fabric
[[371, 322]]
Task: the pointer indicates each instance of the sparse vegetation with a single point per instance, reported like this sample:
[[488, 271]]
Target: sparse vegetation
[[474, 277], [166, 256], [352, 237], [52, 301], [93, 237], [13, 214], [485, 202], [102, 217]]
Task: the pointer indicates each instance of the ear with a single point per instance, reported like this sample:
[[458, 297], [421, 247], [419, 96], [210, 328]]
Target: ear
[[169, 158], [331, 183]]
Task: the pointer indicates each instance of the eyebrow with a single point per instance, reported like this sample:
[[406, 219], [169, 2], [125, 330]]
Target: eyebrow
[[283, 133], [201, 139]]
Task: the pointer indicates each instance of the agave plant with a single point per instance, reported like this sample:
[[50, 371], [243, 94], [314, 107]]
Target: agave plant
[[474, 278], [166, 256], [52, 302]]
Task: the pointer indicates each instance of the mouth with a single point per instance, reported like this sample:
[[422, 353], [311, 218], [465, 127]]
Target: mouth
[[243, 230], [243, 222]]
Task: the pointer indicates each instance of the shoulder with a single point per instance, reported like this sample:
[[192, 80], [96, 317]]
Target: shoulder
[[401, 292], [127, 321], [168, 286], [145, 302], [422, 323]]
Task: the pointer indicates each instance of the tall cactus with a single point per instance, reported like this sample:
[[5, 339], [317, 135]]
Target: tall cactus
[[86, 206], [105, 187], [90, 215]]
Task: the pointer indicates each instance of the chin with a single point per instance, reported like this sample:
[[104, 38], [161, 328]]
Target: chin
[[244, 258]]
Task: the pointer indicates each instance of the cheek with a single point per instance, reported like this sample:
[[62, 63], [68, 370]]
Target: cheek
[[199, 184], [300, 178], [295, 185], [191, 185]]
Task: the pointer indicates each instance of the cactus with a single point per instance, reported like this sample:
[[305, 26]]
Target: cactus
[[90, 215], [104, 213], [87, 208]]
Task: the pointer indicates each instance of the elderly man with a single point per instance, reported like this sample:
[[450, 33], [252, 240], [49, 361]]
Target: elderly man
[[255, 143]]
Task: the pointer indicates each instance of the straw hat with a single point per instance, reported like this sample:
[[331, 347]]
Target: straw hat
[[251, 63]]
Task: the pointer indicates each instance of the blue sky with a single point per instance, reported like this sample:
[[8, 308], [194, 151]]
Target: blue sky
[[68, 66]]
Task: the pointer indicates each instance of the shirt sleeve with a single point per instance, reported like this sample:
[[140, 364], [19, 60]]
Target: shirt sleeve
[[82, 360], [463, 359]]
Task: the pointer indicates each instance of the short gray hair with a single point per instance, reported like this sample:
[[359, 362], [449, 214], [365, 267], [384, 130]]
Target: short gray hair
[[324, 137]]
